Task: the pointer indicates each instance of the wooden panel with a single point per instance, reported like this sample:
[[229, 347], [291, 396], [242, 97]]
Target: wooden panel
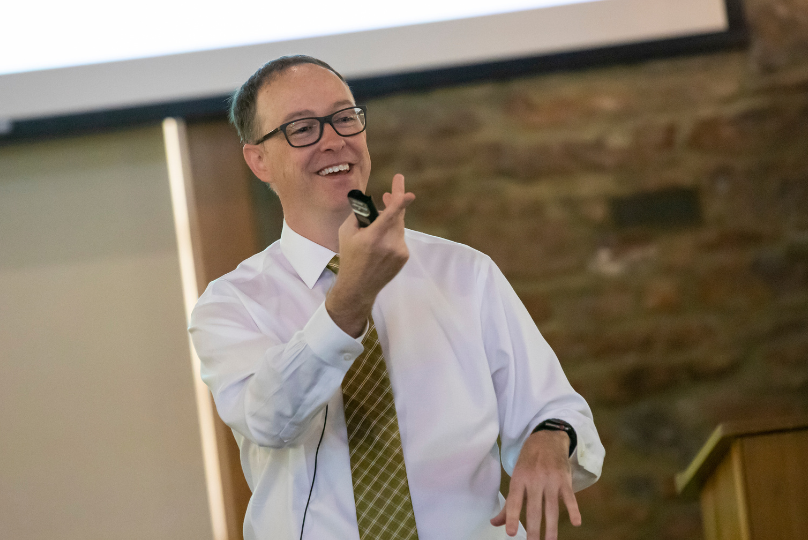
[[689, 481], [234, 487], [723, 500], [226, 235], [224, 202], [777, 484]]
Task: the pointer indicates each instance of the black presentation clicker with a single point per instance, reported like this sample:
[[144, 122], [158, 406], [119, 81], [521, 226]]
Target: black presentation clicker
[[363, 207]]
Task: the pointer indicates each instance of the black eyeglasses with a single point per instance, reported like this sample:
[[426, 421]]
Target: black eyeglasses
[[307, 131]]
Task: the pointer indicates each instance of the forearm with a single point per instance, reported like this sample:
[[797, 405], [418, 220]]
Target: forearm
[[349, 309], [530, 383], [268, 390]]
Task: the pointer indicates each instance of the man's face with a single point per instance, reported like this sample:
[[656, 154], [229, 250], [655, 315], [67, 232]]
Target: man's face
[[299, 175]]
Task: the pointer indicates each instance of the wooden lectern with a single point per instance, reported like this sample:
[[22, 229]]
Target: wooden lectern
[[753, 481]]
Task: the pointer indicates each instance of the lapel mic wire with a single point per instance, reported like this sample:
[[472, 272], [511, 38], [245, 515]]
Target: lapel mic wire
[[314, 475]]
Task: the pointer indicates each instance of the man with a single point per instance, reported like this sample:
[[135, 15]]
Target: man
[[464, 361]]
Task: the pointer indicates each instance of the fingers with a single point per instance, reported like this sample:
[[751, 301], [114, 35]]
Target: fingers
[[539, 506], [572, 506], [533, 514], [551, 518], [398, 185], [540, 486], [349, 224], [499, 519], [513, 507], [349, 227], [398, 199]]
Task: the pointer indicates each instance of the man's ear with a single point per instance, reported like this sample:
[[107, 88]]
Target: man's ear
[[257, 161]]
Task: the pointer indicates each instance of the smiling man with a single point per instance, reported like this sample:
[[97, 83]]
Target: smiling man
[[368, 372]]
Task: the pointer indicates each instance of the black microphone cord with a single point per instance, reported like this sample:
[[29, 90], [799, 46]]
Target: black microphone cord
[[314, 475]]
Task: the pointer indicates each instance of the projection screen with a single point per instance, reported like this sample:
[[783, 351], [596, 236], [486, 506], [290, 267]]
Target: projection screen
[[89, 56]]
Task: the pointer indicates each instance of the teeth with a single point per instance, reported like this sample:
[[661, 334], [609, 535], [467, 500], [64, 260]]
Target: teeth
[[334, 168]]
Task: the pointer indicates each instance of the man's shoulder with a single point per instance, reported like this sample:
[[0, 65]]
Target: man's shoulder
[[250, 269], [440, 250], [436, 242]]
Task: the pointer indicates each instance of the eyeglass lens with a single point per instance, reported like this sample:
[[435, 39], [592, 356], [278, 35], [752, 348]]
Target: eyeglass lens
[[306, 131]]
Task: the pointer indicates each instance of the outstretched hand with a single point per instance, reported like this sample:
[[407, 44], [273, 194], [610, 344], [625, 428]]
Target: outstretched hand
[[369, 258], [541, 477]]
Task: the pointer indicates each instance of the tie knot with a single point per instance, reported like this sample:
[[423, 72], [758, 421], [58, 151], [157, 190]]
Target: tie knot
[[333, 264]]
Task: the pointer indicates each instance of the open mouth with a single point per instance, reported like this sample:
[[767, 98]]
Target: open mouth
[[334, 169]]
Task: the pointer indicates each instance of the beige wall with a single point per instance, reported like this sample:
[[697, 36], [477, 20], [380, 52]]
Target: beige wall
[[98, 429]]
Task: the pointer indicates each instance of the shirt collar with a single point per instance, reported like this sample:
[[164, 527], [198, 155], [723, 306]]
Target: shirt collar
[[306, 257]]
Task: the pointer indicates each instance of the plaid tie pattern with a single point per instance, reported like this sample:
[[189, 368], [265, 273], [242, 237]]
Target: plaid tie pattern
[[381, 492]]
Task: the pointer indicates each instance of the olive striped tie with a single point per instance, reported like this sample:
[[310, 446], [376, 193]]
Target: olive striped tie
[[381, 492]]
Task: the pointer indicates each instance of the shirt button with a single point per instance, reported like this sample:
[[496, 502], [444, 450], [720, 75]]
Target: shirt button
[[346, 357]]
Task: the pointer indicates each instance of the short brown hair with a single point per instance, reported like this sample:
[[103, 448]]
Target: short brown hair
[[242, 103]]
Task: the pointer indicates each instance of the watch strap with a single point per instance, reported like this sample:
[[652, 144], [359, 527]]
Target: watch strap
[[554, 424]]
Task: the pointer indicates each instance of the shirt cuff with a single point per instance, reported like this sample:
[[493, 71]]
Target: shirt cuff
[[587, 459], [329, 342]]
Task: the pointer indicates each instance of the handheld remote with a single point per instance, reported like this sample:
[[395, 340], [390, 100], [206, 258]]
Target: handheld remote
[[363, 207]]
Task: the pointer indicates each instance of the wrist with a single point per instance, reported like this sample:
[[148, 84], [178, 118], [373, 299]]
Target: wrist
[[556, 425], [350, 314]]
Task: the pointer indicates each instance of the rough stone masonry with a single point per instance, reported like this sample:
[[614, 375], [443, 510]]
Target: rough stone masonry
[[667, 327]]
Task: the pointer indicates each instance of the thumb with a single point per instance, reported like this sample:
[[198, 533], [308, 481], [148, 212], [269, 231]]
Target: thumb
[[499, 519], [350, 226]]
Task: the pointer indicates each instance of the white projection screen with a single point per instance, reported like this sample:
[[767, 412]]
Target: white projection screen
[[89, 57]]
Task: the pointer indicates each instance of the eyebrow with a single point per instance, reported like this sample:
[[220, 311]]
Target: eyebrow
[[305, 113]]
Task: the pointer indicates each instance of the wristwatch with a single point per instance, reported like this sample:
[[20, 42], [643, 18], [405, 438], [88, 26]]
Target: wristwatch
[[554, 424]]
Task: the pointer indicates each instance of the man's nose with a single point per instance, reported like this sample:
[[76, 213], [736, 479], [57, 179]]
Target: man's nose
[[330, 138]]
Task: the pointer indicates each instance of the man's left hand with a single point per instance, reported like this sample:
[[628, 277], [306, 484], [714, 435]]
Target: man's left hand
[[541, 477]]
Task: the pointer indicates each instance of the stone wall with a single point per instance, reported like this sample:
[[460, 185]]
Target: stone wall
[[667, 326]]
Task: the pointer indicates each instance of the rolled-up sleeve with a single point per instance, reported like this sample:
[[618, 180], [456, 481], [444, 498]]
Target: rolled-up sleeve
[[264, 388], [529, 382]]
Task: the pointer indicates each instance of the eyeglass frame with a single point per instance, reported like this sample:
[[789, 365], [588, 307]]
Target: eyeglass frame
[[323, 120]]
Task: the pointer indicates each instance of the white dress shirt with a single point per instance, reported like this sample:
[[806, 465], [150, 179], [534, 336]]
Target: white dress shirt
[[466, 364]]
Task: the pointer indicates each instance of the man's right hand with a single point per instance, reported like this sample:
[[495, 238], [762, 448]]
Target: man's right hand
[[369, 258]]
